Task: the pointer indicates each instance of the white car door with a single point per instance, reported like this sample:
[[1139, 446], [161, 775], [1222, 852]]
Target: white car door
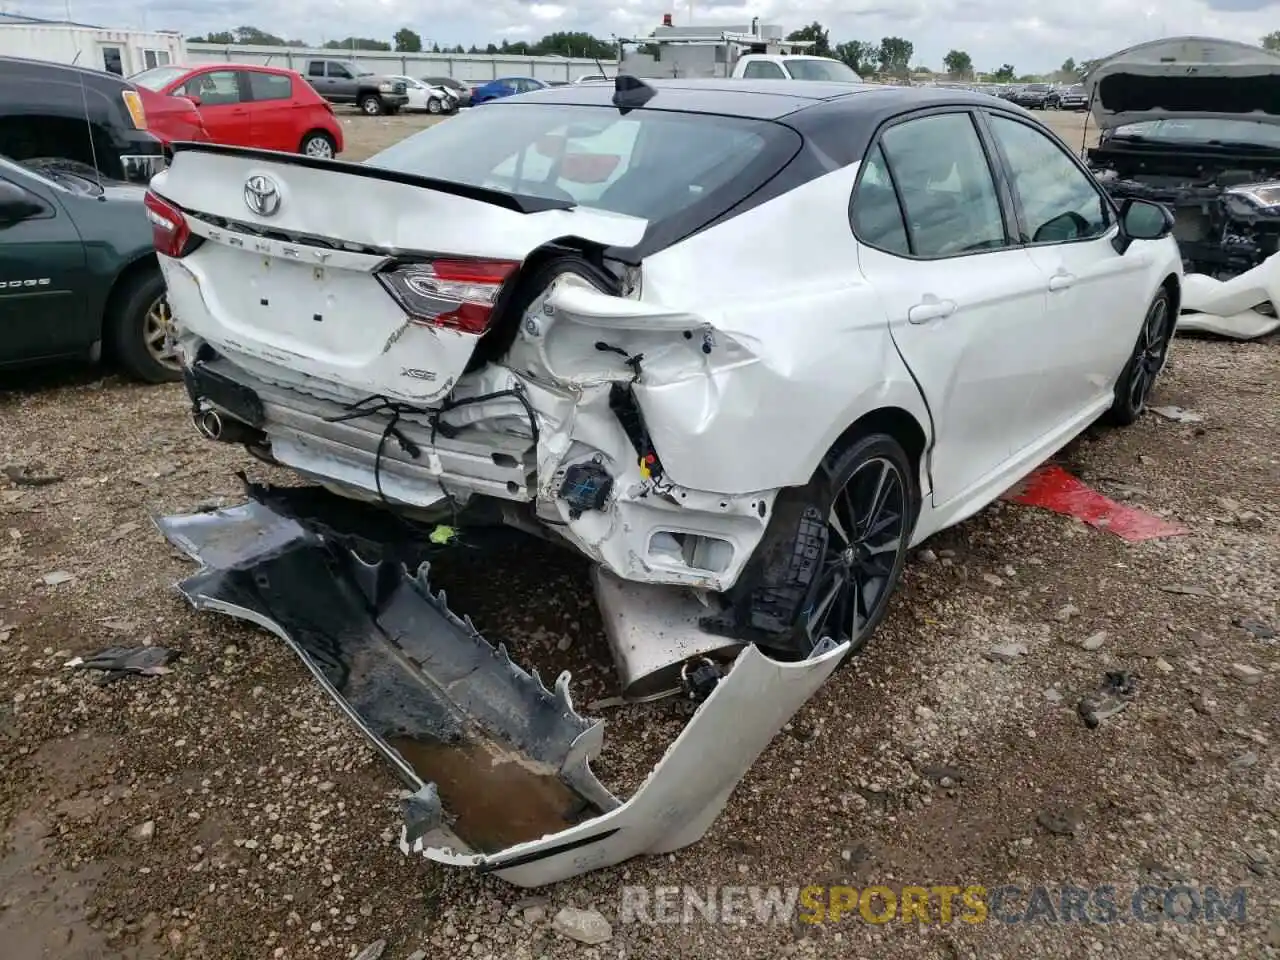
[[1096, 295], [965, 303]]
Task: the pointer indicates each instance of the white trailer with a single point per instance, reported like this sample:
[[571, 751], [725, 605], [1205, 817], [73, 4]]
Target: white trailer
[[123, 52]]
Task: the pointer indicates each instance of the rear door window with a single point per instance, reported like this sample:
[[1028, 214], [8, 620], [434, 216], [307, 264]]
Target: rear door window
[[269, 86], [315, 68], [947, 188]]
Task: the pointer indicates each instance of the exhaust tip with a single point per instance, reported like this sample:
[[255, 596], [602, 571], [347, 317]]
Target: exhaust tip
[[209, 424]]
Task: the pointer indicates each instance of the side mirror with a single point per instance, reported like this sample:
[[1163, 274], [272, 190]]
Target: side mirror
[[1142, 220], [16, 205]]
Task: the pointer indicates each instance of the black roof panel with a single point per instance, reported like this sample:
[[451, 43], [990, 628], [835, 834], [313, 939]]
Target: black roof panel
[[759, 99]]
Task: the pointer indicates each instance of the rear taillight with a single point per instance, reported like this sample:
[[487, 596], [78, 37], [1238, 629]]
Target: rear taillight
[[458, 294], [169, 229], [133, 103]]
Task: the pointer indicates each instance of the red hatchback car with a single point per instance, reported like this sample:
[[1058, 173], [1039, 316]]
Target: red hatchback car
[[246, 105]]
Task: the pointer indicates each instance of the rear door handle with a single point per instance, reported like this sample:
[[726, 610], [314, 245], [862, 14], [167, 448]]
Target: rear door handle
[[931, 308], [1060, 281]]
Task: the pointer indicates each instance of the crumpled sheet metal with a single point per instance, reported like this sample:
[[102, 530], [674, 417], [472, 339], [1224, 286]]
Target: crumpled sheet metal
[[498, 764], [1226, 307]]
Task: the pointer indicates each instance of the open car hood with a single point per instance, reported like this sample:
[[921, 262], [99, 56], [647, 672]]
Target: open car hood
[[1186, 77]]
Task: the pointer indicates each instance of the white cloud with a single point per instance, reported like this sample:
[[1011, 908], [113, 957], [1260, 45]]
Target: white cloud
[[1032, 38]]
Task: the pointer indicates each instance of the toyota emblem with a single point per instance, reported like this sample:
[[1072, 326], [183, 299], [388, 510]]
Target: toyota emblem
[[262, 195]]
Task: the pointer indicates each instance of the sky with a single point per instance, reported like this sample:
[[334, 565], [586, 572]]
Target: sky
[[1034, 36]]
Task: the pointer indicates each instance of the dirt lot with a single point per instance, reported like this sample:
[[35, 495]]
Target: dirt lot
[[227, 810]]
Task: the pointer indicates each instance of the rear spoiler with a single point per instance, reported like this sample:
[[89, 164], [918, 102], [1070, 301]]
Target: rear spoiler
[[516, 202]]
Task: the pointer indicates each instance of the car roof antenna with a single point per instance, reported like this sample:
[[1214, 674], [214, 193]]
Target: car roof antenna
[[88, 121], [630, 92]]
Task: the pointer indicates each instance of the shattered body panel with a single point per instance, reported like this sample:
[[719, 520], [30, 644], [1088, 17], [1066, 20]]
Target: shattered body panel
[[497, 765]]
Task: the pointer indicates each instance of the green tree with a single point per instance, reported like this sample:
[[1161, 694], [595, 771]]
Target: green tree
[[861, 57], [1004, 75], [1068, 70], [407, 41], [1271, 41], [958, 63], [815, 33], [357, 43], [895, 55], [575, 44], [252, 35]]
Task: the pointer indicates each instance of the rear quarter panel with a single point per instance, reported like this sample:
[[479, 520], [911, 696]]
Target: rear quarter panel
[[782, 282]]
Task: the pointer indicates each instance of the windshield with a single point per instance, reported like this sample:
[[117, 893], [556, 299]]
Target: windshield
[[1037, 87], [648, 163], [821, 70], [157, 78], [1204, 130]]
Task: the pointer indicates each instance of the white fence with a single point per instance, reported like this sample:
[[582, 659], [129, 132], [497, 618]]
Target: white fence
[[469, 67]]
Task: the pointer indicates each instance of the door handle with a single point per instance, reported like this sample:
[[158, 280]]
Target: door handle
[[931, 308], [1060, 281]]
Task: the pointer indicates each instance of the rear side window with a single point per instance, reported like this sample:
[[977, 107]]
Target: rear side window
[[876, 216], [652, 164], [946, 185], [315, 68], [270, 86]]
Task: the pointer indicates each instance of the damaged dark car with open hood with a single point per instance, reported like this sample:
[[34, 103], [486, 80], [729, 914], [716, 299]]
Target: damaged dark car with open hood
[[1194, 123]]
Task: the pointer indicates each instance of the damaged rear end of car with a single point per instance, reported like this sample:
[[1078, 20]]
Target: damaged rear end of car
[[443, 348]]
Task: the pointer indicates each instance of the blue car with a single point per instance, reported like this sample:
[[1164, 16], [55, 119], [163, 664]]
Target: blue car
[[505, 87]]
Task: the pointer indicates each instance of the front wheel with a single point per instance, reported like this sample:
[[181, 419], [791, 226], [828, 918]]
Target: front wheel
[[1133, 388], [871, 498], [434, 106], [371, 105], [139, 324]]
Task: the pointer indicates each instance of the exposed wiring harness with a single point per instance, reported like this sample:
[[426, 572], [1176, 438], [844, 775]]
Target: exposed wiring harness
[[395, 409]]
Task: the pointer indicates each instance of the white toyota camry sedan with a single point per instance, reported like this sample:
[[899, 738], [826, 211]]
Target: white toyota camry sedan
[[754, 339], [740, 343]]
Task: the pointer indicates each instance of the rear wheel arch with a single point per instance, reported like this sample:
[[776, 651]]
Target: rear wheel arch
[[894, 421]]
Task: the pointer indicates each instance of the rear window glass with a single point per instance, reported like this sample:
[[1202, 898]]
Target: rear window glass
[[158, 78], [822, 70], [648, 163]]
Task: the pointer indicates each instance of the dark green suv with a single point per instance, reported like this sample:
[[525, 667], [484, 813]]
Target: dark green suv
[[78, 271]]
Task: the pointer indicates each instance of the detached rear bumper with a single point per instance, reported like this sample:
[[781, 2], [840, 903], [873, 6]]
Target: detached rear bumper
[[498, 766]]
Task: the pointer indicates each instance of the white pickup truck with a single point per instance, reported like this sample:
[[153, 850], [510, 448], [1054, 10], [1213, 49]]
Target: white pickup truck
[[784, 66]]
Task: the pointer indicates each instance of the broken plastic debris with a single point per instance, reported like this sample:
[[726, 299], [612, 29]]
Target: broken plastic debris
[[117, 662], [1110, 699], [1053, 488], [57, 577], [1177, 414], [442, 534]]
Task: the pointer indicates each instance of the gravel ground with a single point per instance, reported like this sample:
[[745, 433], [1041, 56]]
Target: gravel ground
[[227, 810]]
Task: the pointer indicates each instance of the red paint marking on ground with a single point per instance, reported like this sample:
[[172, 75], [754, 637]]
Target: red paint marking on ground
[[1052, 488]]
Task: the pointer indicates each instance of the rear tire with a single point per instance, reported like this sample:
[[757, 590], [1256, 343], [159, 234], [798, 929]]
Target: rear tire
[[1149, 356], [318, 144], [371, 105], [137, 326]]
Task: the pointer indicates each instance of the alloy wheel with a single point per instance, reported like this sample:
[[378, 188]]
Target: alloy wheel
[[319, 147], [866, 533], [1148, 359], [157, 328]]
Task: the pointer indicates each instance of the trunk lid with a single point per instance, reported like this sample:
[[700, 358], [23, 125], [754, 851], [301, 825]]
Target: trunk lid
[[1186, 77], [367, 280]]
